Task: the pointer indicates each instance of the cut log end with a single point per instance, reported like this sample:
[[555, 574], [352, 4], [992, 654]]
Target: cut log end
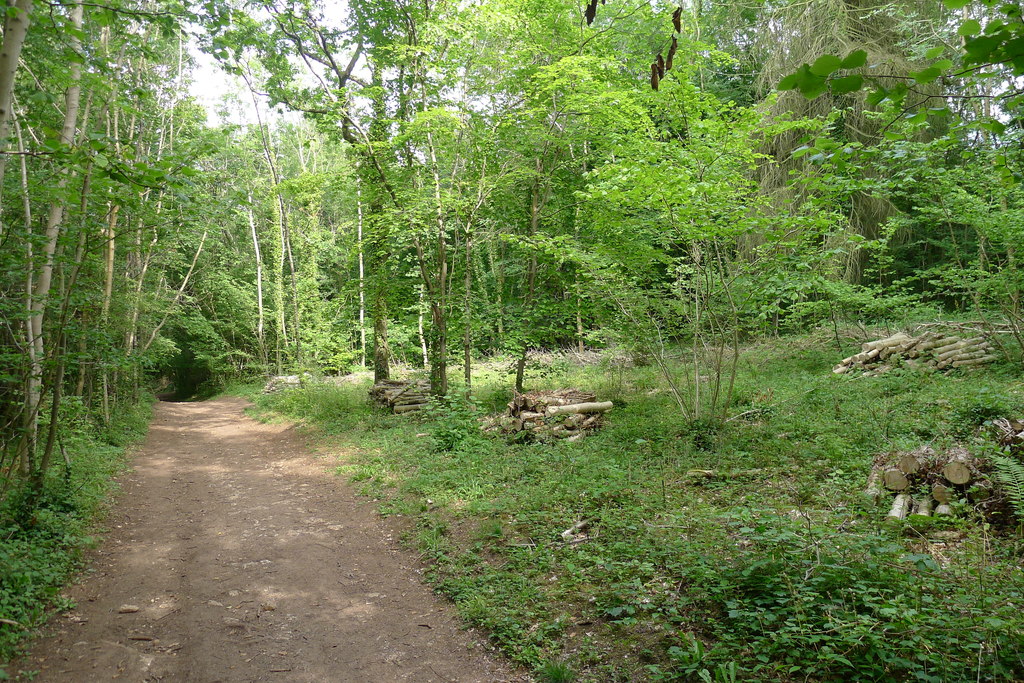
[[895, 480], [942, 494], [957, 472], [909, 463]]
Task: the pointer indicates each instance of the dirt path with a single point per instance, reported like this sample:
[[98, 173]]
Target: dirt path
[[247, 561]]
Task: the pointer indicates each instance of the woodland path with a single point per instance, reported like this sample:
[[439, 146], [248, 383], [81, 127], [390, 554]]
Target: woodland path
[[249, 561]]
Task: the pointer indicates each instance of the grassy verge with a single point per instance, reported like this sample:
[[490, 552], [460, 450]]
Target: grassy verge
[[779, 569], [41, 546]]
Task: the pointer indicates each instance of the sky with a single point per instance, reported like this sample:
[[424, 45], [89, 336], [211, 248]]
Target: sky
[[209, 86]]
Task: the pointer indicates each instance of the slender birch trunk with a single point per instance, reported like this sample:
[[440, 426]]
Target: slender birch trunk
[[439, 290], [282, 222], [362, 276], [467, 314], [423, 337], [54, 221], [259, 282], [16, 23]]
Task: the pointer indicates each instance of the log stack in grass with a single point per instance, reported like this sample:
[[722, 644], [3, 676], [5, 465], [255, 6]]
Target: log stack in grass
[[931, 349], [563, 414], [924, 482], [401, 396], [1009, 434]]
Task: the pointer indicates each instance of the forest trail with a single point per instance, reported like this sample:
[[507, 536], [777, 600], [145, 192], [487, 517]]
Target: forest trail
[[247, 561]]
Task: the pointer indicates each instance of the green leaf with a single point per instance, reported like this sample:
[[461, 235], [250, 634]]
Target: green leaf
[[825, 65], [934, 52], [813, 87], [917, 117], [847, 84], [876, 97], [927, 75], [994, 127], [971, 27], [981, 47], [955, 4], [855, 60], [790, 82]]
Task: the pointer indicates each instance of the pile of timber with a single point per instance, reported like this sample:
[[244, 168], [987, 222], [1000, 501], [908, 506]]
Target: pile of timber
[[924, 481], [400, 396], [282, 382], [931, 349], [1009, 434], [563, 414]]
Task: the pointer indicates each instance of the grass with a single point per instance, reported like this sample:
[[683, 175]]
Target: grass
[[783, 573], [41, 546]]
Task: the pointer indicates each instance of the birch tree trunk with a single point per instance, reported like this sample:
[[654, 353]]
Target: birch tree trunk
[[362, 276], [467, 314], [259, 282], [16, 23], [54, 221], [286, 243], [439, 290]]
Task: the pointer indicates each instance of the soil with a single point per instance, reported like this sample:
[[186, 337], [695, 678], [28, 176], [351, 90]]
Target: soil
[[235, 555]]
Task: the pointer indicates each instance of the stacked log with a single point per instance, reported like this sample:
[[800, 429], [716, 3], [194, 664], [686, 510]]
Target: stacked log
[[924, 482], [283, 382], [931, 349], [563, 414], [401, 396], [1009, 434], [540, 401]]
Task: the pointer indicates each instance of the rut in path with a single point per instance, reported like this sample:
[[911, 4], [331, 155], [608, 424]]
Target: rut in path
[[247, 561]]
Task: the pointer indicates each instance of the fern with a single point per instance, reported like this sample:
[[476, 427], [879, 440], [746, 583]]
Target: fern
[[1010, 475]]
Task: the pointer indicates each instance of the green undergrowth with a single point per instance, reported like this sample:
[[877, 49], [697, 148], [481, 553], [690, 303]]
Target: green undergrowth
[[776, 568], [41, 542]]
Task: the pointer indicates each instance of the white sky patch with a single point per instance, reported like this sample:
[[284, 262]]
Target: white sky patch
[[224, 96]]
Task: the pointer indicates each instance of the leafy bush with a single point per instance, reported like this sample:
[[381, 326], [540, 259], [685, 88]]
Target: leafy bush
[[455, 424], [803, 599]]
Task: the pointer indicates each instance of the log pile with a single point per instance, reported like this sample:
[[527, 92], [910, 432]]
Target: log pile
[[400, 396], [932, 349], [924, 482], [563, 414], [1009, 434], [282, 382]]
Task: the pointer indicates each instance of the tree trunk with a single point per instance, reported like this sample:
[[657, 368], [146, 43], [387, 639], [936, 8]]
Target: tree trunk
[[467, 314], [16, 22], [260, 340], [362, 276], [425, 352], [537, 202], [109, 253], [439, 290], [54, 221]]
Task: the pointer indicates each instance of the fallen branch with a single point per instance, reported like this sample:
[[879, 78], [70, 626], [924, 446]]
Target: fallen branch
[[571, 534]]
